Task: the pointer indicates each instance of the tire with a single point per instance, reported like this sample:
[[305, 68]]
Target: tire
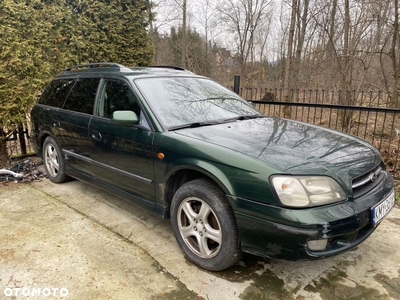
[[53, 160], [204, 225]]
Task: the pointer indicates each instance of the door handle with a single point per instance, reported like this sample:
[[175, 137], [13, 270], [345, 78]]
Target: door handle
[[96, 136]]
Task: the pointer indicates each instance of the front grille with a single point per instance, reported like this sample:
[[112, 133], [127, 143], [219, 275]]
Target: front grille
[[364, 183]]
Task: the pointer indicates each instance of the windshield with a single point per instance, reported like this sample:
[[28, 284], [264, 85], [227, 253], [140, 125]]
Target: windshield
[[179, 101]]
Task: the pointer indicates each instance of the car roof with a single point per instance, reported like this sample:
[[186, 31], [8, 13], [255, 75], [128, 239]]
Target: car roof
[[115, 69]]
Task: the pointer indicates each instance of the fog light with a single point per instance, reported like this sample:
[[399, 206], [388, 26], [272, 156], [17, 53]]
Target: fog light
[[317, 245]]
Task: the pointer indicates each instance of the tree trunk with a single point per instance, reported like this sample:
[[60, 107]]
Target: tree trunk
[[21, 137], [289, 59], [301, 34], [153, 33], [395, 57], [345, 68], [345, 98], [4, 158], [331, 44], [184, 34]]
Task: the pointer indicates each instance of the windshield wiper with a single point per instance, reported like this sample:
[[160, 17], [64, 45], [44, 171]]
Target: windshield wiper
[[241, 118], [209, 123], [222, 98], [193, 125], [250, 117]]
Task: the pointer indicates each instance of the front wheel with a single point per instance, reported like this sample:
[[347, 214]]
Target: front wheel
[[204, 225]]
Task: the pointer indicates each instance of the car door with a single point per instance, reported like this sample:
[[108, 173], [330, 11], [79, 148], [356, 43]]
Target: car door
[[122, 156], [72, 122]]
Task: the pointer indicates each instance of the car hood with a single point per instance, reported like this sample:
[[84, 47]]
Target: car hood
[[293, 147]]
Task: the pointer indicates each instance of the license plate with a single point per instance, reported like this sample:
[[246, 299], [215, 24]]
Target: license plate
[[380, 211]]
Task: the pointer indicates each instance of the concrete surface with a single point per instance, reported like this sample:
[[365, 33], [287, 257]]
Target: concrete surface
[[73, 241]]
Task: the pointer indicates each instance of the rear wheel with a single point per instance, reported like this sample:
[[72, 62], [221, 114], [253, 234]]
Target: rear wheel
[[54, 161], [204, 225]]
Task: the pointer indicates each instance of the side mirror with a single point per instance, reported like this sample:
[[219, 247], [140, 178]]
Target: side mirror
[[125, 118]]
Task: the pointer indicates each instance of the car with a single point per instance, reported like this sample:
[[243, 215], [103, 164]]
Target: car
[[230, 179]]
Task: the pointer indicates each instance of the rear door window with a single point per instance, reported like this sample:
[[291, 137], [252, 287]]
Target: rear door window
[[82, 96], [56, 92]]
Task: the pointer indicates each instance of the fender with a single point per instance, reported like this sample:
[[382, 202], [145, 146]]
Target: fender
[[207, 168]]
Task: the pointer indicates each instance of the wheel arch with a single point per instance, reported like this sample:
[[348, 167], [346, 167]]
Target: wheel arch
[[185, 173], [41, 140]]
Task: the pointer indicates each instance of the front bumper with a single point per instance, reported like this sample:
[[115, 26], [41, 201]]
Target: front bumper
[[284, 233]]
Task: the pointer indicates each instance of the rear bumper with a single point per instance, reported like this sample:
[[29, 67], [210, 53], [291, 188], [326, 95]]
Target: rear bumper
[[284, 233], [35, 144]]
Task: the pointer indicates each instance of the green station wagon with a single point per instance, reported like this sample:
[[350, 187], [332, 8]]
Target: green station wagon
[[231, 179]]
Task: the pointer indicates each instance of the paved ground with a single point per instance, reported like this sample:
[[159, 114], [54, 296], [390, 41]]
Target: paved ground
[[73, 241]]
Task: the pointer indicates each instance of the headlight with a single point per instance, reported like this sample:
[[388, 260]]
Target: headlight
[[304, 191]]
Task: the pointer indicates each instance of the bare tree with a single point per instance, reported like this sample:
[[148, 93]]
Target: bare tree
[[289, 54], [184, 33], [167, 14], [164, 14], [207, 18], [243, 18], [394, 55], [338, 44], [302, 21]]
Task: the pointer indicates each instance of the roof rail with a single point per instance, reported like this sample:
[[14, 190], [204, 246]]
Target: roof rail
[[170, 67], [94, 65]]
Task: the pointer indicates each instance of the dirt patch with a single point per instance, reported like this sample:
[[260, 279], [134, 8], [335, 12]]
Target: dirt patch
[[391, 284], [337, 286]]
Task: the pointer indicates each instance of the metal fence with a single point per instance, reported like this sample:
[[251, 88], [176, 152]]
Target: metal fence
[[372, 116], [18, 142]]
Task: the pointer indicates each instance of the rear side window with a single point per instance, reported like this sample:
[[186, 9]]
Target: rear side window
[[83, 95], [56, 92]]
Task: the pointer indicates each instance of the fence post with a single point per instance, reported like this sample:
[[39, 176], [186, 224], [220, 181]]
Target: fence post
[[236, 84]]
